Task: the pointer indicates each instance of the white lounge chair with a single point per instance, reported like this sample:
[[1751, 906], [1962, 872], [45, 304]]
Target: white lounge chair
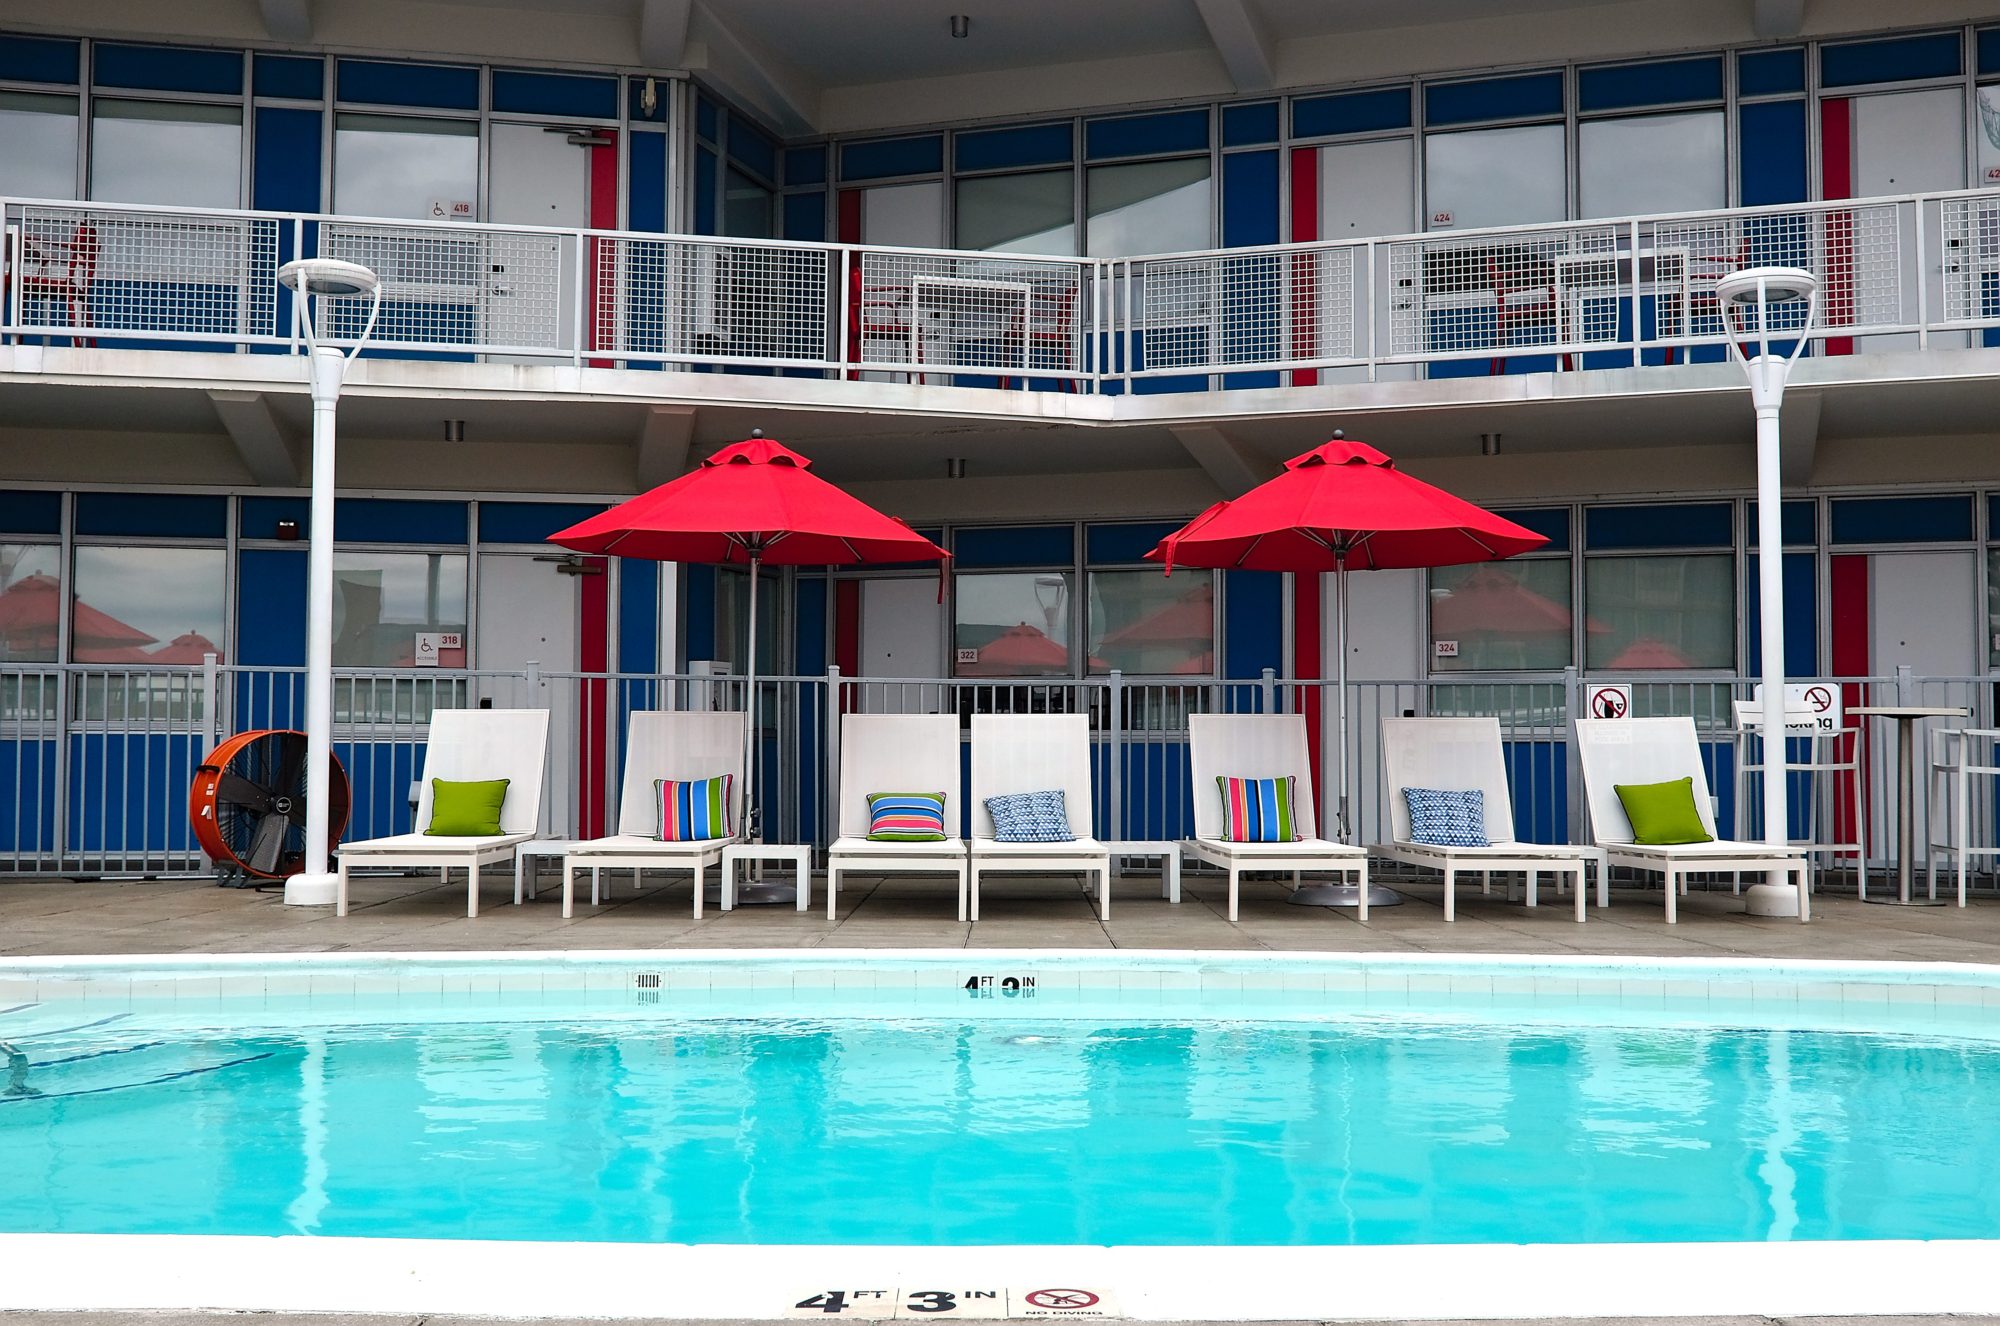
[[1616, 751], [1465, 754], [467, 745], [1032, 753], [897, 753], [1261, 746], [680, 745]]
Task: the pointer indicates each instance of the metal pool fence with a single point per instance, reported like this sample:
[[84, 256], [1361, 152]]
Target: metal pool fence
[[96, 762]]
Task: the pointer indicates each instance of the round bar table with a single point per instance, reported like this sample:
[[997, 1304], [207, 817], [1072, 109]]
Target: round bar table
[[1907, 718]]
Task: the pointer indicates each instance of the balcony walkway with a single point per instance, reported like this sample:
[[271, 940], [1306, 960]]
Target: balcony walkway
[[45, 917]]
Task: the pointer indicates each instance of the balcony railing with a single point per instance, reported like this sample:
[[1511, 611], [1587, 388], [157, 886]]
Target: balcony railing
[[1594, 294]]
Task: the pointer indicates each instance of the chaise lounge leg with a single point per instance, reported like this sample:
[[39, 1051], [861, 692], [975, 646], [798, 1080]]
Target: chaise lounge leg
[[833, 887], [1361, 912], [569, 891], [1104, 892], [1233, 879], [700, 885], [1582, 893], [972, 892], [471, 888], [340, 888], [1450, 894], [1673, 895]]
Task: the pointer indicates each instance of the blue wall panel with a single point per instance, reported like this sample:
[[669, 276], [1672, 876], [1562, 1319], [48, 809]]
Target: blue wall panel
[[128, 793], [530, 522], [1006, 149], [1538, 780], [168, 68], [1673, 525], [300, 77], [1146, 135], [1117, 544], [1902, 519], [1773, 166], [1013, 545], [697, 612], [27, 511], [883, 158], [393, 83], [167, 515], [805, 165], [646, 208], [555, 94], [270, 607], [1654, 83], [1762, 73], [1801, 616], [1253, 618], [40, 59], [27, 797], [1891, 60], [1518, 96], [284, 173], [638, 615], [1247, 126], [1353, 112]]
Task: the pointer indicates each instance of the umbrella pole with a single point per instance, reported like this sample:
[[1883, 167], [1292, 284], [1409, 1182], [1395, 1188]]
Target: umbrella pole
[[1342, 895], [758, 893]]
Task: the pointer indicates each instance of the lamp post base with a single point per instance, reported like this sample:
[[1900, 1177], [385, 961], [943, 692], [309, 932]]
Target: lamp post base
[[311, 890], [1771, 900], [1343, 895]]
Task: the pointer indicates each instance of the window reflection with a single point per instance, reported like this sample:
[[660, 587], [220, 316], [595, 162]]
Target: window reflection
[[147, 606], [1496, 177], [1502, 616], [37, 145], [1147, 624], [404, 166], [747, 207], [1012, 624], [176, 154], [30, 602], [1147, 207], [1651, 163], [383, 601], [1661, 614], [1033, 212]]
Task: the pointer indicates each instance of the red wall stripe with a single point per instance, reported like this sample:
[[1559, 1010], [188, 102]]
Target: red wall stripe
[[603, 212], [1848, 628], [847, 629], [593, 655], [1305, 226], [1307, 628], [1836, 142], [847, 230]]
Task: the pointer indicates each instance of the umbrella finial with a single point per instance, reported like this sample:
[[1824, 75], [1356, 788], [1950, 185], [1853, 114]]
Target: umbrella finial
[[1339, 433], [756, 432]]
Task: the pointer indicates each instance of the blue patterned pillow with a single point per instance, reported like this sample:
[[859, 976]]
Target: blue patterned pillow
[[1030, 817], [1447, 819]]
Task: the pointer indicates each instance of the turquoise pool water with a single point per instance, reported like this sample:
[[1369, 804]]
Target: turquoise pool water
[[1351, 1127]]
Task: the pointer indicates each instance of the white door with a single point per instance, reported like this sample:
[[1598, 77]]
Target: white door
[[1923, 615], [535, 177], [1904, 142], [1365, 190], [902, 635], [529, 613]]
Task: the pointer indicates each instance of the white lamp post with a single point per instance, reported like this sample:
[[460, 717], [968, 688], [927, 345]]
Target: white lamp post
[[326, 366], [1753, 293]]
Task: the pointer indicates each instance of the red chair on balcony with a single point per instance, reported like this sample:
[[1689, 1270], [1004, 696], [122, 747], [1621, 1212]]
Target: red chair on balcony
[[55, 271], [881, 313], [1050, 321], [1523, 295]]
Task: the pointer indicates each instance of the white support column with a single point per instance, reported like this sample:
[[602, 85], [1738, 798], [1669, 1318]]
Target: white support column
[[315, 886]]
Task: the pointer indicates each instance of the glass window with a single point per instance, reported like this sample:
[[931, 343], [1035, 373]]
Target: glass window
[[1495, 177], [1147, 207], [1658, 614], [746, 207], [1502, 616], [1012, 624], [382, 601], [1651, 163], [30, 602], [405, 166], [37, 145], [1028, 213], [1993, 607], [732, 620], [1988, 134], [147, 605], [1145, 623], [177, 154]]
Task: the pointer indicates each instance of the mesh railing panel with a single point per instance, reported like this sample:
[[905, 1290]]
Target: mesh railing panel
[[161, 273], [695, 300], [1226, 310], [487, 288], [1970, 233], [1856, 252], [1507, 293], [998, 315]]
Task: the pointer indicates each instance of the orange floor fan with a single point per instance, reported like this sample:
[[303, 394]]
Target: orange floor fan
[[248, 807]]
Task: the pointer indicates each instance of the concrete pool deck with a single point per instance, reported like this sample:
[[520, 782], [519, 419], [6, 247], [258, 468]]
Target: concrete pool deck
[[53, 917]]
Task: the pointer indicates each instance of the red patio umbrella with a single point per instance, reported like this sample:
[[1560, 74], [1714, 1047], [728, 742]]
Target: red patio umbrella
[[1343, 506], [750, 504]]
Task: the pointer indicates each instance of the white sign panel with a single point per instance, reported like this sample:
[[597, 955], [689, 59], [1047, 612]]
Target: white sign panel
[[449, 209], [429, 645], [1447, 649], [1608, 700], [1814, 706], [967, 655]]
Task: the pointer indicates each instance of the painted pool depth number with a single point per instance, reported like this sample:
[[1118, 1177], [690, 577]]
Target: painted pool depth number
[[1005, 987], [879, 1304]]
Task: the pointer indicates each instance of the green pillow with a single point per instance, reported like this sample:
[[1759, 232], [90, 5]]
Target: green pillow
[[466, 810], [1663, 814]]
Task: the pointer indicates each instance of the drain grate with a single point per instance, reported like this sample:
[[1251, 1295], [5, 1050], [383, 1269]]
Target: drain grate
[[646, 987]]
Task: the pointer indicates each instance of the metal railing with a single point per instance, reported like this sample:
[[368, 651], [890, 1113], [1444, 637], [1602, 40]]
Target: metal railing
[[95, 762], [1611, 293]]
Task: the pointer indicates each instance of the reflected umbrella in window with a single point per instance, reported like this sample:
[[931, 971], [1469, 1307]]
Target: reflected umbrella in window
[[1018, 651], [1496, 620], [1161, 640], [1647, 655], [187, 648], [31, 617]]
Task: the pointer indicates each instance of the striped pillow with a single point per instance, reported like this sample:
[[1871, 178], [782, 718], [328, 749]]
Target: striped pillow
[[692, 811], [1257, 810], [906, 817]]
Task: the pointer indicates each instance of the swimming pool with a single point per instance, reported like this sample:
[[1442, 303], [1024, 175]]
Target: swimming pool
[[1149, 1104]]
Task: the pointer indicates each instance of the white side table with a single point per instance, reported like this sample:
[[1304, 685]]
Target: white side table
[[799, 855], [1170, 862], [524, 874]]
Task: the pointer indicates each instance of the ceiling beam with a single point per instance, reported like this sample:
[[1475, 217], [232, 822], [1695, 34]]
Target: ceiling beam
[[1234, 469], [1242, 42], [1798, 438], [755, 76], [661, 446], [273, 456], [287, 20], [1777, 19], [663, 33]]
